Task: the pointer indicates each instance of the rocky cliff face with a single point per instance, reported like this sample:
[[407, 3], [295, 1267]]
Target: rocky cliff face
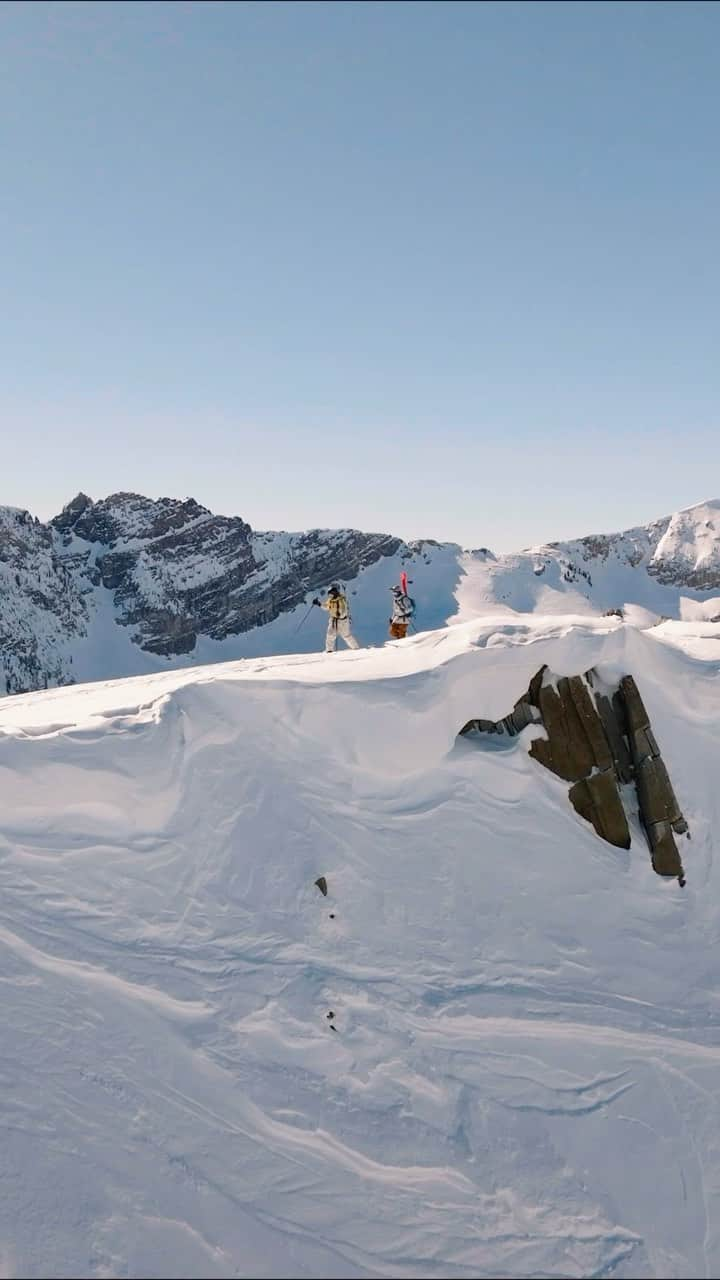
[[167, 571], [177, 571], [42, 605], [173, 568]]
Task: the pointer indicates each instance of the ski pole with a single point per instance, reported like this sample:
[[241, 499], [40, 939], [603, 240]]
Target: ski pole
[[303, 620]]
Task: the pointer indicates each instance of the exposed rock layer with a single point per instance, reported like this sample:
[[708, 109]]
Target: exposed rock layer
[[169, 571], [601, 743]]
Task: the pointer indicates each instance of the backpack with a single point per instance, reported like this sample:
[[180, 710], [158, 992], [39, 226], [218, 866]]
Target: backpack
[[405, 605]]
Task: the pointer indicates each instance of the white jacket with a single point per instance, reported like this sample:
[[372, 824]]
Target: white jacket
[[402, 609]]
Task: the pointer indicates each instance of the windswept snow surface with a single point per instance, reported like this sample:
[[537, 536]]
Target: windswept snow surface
[[524, 1078]]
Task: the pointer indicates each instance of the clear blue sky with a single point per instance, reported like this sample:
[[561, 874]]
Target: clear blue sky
[[445, 269]]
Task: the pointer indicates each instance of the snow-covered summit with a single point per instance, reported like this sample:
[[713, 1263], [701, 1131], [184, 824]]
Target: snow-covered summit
[[655, 565], [682, 549], [688, 552]]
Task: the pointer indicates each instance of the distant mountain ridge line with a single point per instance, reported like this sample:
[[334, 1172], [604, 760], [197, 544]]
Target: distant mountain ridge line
[[121, 585]]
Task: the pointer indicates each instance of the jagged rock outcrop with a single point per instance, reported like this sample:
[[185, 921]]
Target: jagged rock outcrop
[[176, 571], [597, 800], [576, 742], [601, 741], [659, 810]]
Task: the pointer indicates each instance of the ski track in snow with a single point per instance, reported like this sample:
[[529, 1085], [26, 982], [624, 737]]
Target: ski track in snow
[[524, 1075]]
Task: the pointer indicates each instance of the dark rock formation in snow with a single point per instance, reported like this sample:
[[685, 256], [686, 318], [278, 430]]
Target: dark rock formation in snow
[[660, 812], [601, 741]]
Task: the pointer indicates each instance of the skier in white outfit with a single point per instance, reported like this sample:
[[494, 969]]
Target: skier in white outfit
[[339, 620], [403, 608]]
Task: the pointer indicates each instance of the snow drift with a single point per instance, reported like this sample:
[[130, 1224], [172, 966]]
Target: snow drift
[[520, 1076]]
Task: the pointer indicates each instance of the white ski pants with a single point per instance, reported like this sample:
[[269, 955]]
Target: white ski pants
[[339, 627]]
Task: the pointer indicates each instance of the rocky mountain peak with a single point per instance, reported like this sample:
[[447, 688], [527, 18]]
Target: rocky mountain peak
[[127, 517], [688, 548], [71, 512], [154, 575]]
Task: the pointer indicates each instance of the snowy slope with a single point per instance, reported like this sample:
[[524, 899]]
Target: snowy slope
[[524, 1076]]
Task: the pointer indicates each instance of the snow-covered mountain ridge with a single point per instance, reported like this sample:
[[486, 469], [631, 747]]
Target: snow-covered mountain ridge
[[129, 585], [655, 566], [679, 550]]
